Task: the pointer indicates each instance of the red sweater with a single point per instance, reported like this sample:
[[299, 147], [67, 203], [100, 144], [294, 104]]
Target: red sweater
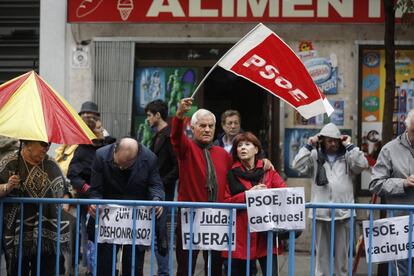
[[192, 166], [258, 241]]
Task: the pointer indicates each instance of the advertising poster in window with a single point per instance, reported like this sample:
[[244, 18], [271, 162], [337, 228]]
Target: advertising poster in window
[[323, 70], [337, 117], [372, 87], [169, 84]]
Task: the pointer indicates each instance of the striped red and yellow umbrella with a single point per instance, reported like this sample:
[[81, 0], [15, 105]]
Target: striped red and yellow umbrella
[[31, 110]]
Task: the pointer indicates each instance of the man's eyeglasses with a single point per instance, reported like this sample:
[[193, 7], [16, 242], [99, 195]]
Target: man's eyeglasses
[[44, 144]]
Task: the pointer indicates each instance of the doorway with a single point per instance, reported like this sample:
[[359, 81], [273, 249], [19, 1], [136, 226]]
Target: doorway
[[224, 90]]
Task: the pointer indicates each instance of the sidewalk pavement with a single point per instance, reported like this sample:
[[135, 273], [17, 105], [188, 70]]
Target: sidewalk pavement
[[302, 266]]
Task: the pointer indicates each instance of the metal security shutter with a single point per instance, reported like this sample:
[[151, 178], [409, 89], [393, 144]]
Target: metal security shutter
[[19, 37], [113, 72]]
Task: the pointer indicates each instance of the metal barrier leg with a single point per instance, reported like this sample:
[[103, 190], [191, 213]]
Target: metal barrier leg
[[39, 240], [134, 236], [248, 251], [95, 260], [77, 241], [19, 269], [114, 251], [371, 224], [190, 253], [351, 241], [152, 241], [291, 253], [171, 252], [332, 244], [230, 242], [269, 259], [59, 218], [209, 263], [312, 264], [410, 240]]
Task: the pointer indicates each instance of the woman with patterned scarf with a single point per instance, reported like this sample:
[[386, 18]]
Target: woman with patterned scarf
[[35, 176], [247, 173]]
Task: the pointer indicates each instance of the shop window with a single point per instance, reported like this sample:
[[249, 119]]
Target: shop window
[[371, 86]]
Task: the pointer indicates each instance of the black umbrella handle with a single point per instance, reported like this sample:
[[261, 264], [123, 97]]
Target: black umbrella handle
[[19, 158], [17, 171]]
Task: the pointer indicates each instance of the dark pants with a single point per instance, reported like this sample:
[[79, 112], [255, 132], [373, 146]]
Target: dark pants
[[47, 265], [182, 257], [238, 266], [105, 253]]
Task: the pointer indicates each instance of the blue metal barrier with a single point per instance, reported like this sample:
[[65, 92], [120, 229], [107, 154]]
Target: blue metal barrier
[[43, 202]]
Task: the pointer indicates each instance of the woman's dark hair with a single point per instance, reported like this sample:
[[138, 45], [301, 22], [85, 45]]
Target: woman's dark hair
[[246, 136]]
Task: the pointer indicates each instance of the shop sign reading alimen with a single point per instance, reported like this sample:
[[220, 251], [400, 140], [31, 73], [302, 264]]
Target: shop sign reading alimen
[[314, 11]]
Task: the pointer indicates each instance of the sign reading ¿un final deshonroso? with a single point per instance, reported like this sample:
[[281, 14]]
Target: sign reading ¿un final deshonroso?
[[116, 225], [276, 209], [210, 229]]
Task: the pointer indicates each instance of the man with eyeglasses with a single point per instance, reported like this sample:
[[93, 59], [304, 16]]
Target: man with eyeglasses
[[124, 170]]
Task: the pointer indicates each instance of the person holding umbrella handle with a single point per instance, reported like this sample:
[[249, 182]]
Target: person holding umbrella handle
[[13, 183]]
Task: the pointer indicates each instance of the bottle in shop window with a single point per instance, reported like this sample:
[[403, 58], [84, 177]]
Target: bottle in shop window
[[396, 98], [402, 106], [410, 95]]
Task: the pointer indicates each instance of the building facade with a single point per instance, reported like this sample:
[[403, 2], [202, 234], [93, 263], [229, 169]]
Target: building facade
[[124, 53]]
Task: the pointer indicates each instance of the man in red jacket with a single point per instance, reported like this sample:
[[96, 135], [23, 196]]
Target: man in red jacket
[[202, 173]]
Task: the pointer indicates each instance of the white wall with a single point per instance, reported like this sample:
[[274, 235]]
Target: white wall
[[52, 60]]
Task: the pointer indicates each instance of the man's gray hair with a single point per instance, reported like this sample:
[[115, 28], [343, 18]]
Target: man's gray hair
[[201, 113], [409, 118]]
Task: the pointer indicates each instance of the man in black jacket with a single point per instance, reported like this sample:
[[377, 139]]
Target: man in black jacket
[[124, 170], [157, 112]]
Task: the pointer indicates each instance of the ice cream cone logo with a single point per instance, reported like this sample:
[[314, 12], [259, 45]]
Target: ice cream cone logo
[[125, 8]]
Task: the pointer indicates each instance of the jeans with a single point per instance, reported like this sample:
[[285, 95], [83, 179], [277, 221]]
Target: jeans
[[401, 266], [105, 254], [162, 261], [238, 266]]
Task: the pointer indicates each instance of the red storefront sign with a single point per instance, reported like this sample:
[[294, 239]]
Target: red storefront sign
[[172, 11]]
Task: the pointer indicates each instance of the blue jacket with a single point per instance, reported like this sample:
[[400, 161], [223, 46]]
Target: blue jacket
[[141, 182]]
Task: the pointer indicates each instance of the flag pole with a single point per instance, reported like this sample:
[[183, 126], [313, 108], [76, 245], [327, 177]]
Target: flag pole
[[215, 65]]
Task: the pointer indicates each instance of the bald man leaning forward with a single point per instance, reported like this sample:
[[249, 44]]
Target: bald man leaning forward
[[125, 170]]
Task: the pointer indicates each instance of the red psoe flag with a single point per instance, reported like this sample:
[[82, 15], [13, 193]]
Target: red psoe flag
[[266, 60]]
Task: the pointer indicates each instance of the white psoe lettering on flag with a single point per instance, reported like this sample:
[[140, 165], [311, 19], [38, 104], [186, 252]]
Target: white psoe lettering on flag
[[389, 239], [276, 209], [116, 225], [270, 72], [210, 229]]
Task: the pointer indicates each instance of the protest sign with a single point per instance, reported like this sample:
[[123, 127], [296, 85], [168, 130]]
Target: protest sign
[[389, 239], [276, 209], [210, 229], [116, 225]]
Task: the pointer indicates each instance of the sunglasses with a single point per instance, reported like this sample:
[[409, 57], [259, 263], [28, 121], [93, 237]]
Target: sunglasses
[[44, 144]]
